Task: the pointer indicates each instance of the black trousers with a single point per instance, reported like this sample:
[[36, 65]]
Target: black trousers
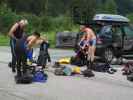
[[21, 59], [12, 45]]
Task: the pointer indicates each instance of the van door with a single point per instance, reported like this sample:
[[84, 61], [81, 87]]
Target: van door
[[128, 38], [117, 36]]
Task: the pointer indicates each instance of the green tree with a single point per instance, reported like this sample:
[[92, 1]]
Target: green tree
[[30, 6], [124, 6], [83, 10], [130, 16], [107, 6]]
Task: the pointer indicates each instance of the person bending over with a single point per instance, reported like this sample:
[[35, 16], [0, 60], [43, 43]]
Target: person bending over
[[88, 41], [16, 33], [22, 48]]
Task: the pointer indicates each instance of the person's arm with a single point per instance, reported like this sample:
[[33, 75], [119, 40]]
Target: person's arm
[[39, 41], [90, 33], [81, 42], [44, 39], [13, 28], [30, 43]]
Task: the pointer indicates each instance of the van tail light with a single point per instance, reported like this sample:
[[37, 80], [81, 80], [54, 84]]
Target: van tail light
[[99, 41]]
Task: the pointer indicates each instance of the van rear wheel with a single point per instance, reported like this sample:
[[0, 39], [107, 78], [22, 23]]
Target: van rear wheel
[[108, 54]]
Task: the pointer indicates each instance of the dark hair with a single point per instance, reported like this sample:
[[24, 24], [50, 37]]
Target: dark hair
[[36, 34]]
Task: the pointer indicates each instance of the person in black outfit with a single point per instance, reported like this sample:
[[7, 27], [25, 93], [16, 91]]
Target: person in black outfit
[[21, 55], [16, 33], [43, 54]]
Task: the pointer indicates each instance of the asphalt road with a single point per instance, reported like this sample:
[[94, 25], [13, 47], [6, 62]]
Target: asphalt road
[[101, 87]]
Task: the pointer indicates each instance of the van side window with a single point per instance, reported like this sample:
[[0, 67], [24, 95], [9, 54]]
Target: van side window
[[128, 31], [107, 31], [117, 31]]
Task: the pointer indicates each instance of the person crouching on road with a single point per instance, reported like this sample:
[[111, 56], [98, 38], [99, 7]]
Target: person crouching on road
[[88, 41], [43, 53], [16, 33]]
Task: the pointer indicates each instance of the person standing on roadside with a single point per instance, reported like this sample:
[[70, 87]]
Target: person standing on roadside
[[88, 40], [16, 32]]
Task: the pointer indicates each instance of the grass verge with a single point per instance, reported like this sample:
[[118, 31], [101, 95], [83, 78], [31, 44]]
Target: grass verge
[[4, 40]]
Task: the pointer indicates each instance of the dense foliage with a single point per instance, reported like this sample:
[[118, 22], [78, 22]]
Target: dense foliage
[[58, 15]]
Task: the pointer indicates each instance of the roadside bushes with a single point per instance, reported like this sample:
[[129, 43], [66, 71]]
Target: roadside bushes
[[7, 18], [40, 23]]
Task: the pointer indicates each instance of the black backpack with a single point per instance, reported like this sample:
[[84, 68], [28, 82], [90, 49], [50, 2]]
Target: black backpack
[[59, 71], [24, 79], [130, 77], [104, 67], [88, 73]]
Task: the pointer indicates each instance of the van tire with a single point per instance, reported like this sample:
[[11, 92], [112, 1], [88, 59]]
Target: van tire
[[108, 55]]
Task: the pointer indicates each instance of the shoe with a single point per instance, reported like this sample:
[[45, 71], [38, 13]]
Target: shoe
[[13, 70], [10, 64]]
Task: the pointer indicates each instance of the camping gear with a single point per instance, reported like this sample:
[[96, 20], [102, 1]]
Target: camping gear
[[24, 79], [76, 70], [56, 65], [77, 61], [130, 77], [59, 71], [88, 73], [64, 61], [128, 68], [40, 76], [43, 55], [103, 67], [66, 71]]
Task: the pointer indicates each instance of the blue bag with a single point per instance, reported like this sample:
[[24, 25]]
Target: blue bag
[[40, 76]]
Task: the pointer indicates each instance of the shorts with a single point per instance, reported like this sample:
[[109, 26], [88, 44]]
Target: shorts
[[83, 43], [92, 42]]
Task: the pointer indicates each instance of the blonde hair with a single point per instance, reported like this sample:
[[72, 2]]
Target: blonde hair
[[24, 21]]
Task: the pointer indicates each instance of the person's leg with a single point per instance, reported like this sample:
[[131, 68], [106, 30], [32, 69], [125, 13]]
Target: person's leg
[[49, 58], [19, 74], [44, 63], [92, 52], [89, 58], [24, 62], [13, 62], [93, 49]]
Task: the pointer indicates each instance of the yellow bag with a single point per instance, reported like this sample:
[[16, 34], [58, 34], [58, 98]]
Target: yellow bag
[[64, 61], [29, 62], [76, 70]]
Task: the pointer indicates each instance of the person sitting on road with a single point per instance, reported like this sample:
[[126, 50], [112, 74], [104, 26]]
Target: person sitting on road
[[15, 33], [88, 41]]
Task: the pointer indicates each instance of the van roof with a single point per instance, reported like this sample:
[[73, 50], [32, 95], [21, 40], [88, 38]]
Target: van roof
[[110, 17]]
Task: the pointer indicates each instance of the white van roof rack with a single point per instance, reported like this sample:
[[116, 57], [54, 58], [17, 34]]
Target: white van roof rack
[[110, 17]]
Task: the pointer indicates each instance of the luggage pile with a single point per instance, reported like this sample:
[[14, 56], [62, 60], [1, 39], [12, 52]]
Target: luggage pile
[[33, 74], [128, 70], [70, 70], [65, 70]]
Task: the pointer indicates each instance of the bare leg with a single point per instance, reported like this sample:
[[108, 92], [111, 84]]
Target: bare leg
[[93, 49], [89, 58]]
